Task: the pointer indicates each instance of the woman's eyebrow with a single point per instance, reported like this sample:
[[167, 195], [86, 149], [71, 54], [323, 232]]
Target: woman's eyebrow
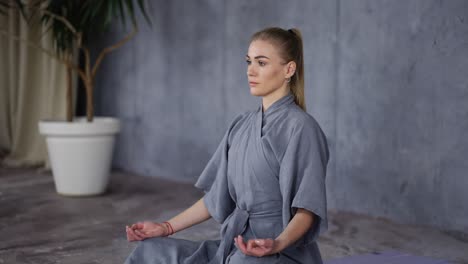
[[259, 57]]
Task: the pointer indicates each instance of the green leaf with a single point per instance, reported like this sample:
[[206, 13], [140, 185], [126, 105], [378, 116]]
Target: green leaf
[[131, 11], [109, 15], [141, 5], [122, 12]]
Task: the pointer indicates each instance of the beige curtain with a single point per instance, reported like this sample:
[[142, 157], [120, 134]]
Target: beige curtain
[[32, 87]]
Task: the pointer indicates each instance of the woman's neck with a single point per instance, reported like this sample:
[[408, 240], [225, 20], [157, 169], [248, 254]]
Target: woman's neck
[[272, 97]]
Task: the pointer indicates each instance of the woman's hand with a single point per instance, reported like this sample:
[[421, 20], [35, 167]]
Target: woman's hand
[[143, 230], [256, 247]]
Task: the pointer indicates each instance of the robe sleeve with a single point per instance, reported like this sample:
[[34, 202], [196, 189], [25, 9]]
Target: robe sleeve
[[302, 177], [214, 182]]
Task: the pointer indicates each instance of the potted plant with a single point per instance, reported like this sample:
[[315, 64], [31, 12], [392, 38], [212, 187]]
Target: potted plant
[[80, 149]]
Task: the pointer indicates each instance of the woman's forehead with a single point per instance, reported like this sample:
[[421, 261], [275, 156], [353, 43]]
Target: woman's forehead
[[262, 48]]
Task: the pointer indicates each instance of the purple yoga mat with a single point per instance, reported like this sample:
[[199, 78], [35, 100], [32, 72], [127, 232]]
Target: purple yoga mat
[[387, 257]]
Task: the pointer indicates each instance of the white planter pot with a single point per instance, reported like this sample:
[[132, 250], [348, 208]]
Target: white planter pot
[[80, 153]]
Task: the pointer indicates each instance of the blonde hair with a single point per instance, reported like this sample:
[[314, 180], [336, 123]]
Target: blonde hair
[[289, 44]]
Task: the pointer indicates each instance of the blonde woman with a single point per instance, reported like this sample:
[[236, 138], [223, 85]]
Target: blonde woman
[[265, 183]]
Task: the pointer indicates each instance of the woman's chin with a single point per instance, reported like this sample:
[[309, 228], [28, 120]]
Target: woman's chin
[[255, 92]]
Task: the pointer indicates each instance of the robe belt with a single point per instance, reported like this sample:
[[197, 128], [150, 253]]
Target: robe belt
[[238, 220]]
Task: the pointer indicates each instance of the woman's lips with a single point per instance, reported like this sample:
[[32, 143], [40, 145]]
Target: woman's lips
[[253, 83]]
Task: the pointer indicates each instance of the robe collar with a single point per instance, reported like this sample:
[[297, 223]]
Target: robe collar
[[263, 117], [278, 104]]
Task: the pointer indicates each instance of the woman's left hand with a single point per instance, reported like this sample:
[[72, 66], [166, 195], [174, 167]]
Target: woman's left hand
[[256, 247]]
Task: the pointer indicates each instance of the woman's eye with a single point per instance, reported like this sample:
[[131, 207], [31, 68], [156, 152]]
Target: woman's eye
[[261, 63], [248, 62]]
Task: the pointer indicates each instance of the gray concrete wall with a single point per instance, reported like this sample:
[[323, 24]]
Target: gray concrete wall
[[387, 81], [402, 114]]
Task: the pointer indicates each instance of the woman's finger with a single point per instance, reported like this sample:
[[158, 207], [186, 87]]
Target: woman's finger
[[260, 247], [130, 237], [132, 232], [140, 233], [254, 250], [138, 236], [265, 244], [137, 225], [126, 233], [241, 245], [251, 244]]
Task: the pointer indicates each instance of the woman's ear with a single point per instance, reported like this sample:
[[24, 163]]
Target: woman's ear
[[290, 69]]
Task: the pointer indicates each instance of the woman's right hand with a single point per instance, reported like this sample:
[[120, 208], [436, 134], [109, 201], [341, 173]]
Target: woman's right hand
[[143, 230]]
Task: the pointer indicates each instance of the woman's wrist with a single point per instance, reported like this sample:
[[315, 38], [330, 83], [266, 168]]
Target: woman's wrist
[[169, 229], [279, 245]]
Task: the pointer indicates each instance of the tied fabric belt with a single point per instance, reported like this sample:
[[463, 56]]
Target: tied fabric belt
[[237, 221]]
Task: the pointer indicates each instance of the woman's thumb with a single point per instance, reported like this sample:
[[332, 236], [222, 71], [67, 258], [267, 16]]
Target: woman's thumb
[[260, 242]]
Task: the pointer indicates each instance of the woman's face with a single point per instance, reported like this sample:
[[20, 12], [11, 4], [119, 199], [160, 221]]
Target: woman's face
[[266, 71]]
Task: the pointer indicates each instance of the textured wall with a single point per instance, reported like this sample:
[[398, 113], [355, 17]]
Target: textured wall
[[385, 79], [402, 111]]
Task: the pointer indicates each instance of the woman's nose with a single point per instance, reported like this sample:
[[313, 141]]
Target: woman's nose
[[250, 71]]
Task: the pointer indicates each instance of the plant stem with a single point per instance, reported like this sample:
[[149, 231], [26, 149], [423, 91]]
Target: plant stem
[[89, 100], [111, 48], [69, 95]]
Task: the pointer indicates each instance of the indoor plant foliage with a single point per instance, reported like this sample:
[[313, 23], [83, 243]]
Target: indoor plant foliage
[[80, 152], [73, 23]]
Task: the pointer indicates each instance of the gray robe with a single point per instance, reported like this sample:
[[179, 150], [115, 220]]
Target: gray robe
[[266, 166]]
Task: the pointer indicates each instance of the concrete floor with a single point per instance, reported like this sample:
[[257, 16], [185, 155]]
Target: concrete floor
[[39, 226]]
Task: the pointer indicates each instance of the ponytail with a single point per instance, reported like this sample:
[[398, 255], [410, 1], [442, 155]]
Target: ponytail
[[297, 80]]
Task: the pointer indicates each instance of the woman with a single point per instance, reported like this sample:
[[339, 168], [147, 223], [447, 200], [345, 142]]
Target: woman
[[265, 183]]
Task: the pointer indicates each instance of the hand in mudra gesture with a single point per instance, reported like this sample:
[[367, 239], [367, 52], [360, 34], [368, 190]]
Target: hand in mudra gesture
[[256, 247], [143, 230]]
